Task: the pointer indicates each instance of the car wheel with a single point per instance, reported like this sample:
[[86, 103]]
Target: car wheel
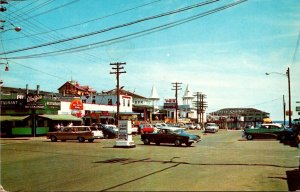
[[282, 137], [81, 139], [146, 141], [53, 138], [91, 140], [106, 136], [177, 142], [249, 137]]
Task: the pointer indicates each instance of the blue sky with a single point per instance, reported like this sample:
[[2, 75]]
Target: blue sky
[[224, 55]]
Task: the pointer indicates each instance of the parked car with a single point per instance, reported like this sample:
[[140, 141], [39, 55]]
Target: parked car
[[211, 128], [190, 126], [109, 131], [80, 133], [98, 134], [270, 130], [170, 135]]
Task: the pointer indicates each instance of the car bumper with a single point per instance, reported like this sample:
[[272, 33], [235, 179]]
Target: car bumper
[[211, 130], [194, 141]]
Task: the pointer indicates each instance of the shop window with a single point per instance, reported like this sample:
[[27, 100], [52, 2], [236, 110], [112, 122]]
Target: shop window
[[41, 123], [20, 124]]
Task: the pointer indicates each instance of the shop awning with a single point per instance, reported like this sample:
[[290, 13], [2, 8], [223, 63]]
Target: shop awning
[[61, 117], [12, 118]]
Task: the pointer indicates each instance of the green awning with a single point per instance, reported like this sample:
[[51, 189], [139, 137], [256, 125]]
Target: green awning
[[12, 118], [61, 117]]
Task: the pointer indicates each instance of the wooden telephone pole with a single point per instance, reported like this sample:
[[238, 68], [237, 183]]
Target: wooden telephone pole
[[201, 106], [117, 70], [176, 87]]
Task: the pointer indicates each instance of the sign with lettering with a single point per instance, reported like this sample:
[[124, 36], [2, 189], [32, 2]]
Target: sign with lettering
[[34, 101], [12, 103], [76, 105]]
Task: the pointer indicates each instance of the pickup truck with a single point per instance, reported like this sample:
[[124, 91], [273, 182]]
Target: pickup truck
[[80, 133], [170, 135]]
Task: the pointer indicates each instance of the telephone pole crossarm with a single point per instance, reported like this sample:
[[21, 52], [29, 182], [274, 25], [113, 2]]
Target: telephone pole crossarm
[[117, 70]]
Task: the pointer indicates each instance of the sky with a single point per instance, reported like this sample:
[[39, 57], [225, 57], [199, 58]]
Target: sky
[[223, 53]]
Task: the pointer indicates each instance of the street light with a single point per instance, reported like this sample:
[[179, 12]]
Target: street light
[[6, 66], [287, 74]]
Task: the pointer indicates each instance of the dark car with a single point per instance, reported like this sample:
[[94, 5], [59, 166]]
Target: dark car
[[108, 131], [270, 130], [170, 135]]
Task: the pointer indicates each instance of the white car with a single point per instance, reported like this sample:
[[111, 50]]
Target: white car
[[190, 126], [98, 134], [211, 127]]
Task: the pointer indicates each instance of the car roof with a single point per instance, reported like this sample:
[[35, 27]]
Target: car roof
[[275, 124], [172, 128]]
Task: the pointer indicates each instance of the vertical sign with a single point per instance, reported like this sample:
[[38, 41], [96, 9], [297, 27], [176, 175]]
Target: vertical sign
[[125, 134]]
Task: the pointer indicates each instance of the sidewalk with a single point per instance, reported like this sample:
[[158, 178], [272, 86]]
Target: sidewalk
[[24, 138]]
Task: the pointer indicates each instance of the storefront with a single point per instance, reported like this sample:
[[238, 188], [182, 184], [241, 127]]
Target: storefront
[[21, 117]]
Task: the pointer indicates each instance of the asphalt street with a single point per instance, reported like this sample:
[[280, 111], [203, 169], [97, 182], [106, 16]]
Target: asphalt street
[[222, 161]]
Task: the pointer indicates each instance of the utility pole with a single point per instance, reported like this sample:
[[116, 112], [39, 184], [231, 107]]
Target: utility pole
[[197, 104], [289, 87], [201, 106], [283, 110], [176, 87], [117, 70]]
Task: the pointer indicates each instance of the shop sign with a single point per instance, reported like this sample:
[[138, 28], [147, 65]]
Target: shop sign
[[53, 105], [76, 105], [12, 103], [34, 101], [169, 105], [170, 100], [105, 113], [126, 97]]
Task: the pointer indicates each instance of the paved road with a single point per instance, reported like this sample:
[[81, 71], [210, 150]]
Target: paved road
[[221, 161]]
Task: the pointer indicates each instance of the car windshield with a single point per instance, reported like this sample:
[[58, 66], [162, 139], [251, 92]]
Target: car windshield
[[179, 131], [211, 124]]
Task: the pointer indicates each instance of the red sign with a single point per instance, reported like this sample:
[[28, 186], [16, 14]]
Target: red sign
[[76, 105]]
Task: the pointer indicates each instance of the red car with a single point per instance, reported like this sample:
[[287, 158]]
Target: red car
[[146, 128]]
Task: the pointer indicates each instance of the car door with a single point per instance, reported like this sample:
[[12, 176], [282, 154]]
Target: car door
[[170, 136]]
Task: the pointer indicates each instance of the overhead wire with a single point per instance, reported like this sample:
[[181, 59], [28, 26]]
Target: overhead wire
[[132, 35], [115, 27], [88, 21]]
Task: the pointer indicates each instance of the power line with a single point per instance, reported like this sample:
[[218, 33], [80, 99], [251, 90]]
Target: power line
[[88, 21], [115, 27], [130, 36]]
